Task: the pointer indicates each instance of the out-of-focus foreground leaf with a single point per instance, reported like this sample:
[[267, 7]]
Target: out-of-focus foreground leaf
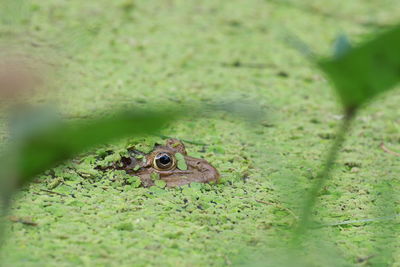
[[41, 151], [45, 146], [367, 70]]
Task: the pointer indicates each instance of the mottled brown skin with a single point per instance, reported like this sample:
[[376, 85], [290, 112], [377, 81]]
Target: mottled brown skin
[[198, 170]]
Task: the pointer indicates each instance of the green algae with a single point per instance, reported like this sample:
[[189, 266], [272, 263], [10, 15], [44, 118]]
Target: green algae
[[181, 163]]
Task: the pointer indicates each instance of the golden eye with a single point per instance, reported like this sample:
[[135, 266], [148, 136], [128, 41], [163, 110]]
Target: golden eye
[[163, 161]]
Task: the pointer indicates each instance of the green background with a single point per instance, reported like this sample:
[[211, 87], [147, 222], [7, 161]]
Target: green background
[[114, 53]]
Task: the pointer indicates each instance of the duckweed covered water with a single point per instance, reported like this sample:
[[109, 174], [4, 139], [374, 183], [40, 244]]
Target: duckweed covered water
[[146, 52]]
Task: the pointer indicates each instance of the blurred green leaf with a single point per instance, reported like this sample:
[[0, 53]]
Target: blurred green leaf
[[45, 147], [367, 70]]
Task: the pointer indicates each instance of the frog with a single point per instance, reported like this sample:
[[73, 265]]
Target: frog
[[164, 162]]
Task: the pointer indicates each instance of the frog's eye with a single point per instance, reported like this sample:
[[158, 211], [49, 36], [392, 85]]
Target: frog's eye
[[163, 161]]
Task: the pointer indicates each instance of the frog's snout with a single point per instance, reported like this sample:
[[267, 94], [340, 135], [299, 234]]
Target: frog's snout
[[205, 171]]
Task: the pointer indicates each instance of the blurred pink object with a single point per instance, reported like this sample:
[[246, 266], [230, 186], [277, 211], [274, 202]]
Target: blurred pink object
[[19, 77]]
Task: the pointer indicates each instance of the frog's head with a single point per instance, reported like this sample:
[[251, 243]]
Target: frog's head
[[171, 164]]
